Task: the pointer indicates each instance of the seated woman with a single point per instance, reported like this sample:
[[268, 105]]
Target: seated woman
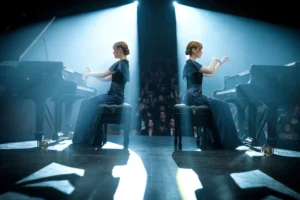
[[149, 128], [222, 128], [119, 75]]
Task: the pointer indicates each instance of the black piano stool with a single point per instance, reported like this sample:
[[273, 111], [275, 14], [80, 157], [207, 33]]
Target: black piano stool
[[199, 116], [112, 114]]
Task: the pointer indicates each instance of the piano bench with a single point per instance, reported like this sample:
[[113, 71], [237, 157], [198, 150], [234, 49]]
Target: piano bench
[[112, 114], [199, 116]]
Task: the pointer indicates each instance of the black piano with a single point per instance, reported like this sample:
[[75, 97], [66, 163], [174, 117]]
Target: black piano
[[41, 81], [268, 85]]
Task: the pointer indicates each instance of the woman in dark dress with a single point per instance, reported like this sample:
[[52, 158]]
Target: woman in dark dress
[[222, 128], [118, 74]]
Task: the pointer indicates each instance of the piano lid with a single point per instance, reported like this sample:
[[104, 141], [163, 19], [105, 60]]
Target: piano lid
[[274, 74], [16, 43]]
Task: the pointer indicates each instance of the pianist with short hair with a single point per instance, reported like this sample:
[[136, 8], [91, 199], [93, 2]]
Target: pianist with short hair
[[119, 75], [222, 127]]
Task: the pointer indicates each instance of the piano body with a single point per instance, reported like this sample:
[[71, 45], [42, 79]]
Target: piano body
[[269, 85], [40, 81]]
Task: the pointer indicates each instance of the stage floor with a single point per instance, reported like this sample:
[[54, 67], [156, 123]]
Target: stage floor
[[150, 169]]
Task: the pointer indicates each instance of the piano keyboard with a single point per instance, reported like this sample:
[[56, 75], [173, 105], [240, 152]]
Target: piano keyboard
[[226, 91], [85, 89]]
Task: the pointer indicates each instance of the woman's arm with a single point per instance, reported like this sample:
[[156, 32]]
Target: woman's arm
[[100, 74], [215, 70], [211, 68], [106, 79], [103, 76], [217, 67]]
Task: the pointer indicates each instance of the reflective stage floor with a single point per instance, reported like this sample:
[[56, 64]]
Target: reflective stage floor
[[150, 169]]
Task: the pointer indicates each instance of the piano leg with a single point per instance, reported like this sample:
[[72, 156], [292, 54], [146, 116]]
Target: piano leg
[[257, 120], [271, 123], [58, 114], [39, 121], [252, 109], [241, 121], [262, 112], [68, 113]]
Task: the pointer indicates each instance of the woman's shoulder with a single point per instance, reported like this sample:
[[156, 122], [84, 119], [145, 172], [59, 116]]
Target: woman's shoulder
[[124, 61], [191, 67], [192, 63]]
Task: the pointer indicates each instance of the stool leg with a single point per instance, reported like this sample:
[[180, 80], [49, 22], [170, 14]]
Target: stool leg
[[177, 130], [105, 134], [203, 141], [126, 136], [99, 136], [179, 134], [198, 136], [175, 137]]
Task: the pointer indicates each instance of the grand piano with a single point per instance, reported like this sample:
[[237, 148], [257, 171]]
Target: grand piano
[[41, 81], [262, 85]]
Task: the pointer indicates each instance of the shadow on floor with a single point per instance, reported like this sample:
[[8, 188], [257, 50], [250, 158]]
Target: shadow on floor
[[77, 172], [235, 175]]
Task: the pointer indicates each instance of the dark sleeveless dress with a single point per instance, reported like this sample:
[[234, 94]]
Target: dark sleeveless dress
[[222, 128], [83, 133]]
